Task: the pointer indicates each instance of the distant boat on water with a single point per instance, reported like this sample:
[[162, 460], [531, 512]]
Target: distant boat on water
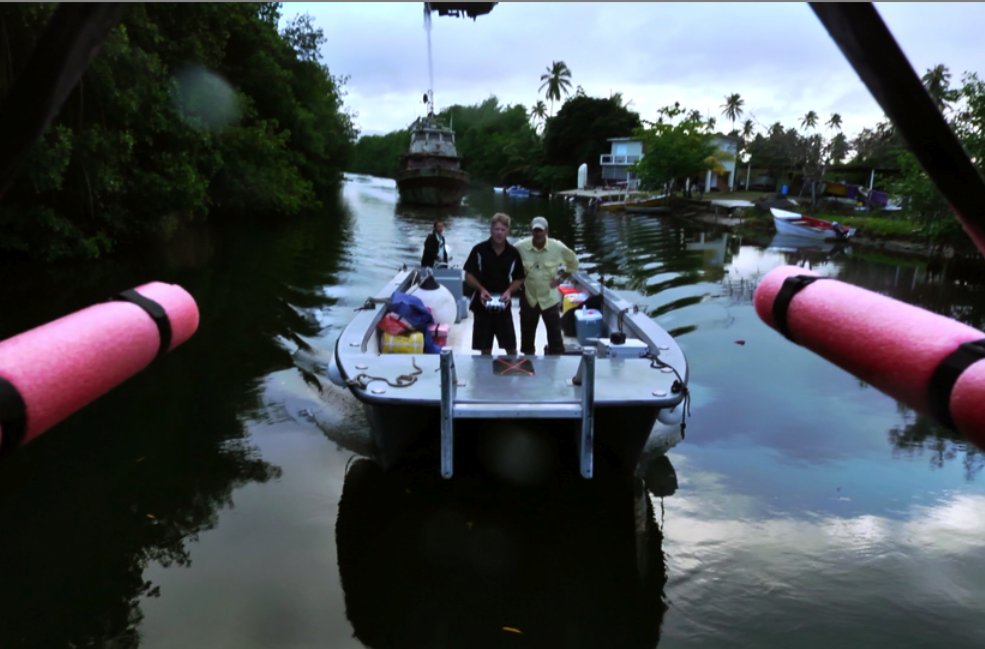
[[517, 191], [431, 171]]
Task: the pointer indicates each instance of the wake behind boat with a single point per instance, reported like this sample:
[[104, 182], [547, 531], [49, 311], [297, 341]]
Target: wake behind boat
[[620, 371], [801, 225]]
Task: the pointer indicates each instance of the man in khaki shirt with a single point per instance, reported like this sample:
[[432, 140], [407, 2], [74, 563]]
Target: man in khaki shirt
[[542, 258]]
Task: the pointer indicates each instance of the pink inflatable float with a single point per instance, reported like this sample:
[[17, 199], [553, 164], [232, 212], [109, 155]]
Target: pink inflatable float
[[927, 361], [53, 370]]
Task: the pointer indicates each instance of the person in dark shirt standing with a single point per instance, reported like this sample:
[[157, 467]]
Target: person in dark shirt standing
[[435, 250], [494, 268]]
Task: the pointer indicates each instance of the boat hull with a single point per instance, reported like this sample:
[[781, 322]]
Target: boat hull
[[793, 224], [626, 204], [432, 186], [408, 434]]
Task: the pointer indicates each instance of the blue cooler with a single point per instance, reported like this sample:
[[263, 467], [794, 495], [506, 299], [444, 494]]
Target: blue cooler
[[588, 324]]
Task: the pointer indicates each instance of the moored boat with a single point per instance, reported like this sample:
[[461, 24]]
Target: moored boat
[[517, 191], [810, 227], [619, 373], [634, 201], [431, 171]]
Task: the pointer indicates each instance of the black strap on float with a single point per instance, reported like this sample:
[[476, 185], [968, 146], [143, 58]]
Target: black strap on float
[[13, 417], [791, 286], [155, 311], [946, 375]]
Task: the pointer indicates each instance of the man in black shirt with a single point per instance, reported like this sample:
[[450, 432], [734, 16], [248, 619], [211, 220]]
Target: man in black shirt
[[494, 269]]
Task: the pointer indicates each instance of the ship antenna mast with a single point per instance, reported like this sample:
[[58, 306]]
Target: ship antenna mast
[[429, 97]]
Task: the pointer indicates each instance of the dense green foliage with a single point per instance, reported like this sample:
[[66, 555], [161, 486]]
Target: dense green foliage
[[379, 155], [923, 201], [579, 134], [677, 145], [498, 143], [187, 112]]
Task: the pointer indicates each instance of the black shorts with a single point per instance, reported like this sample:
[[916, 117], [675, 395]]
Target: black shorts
[[486, 325]]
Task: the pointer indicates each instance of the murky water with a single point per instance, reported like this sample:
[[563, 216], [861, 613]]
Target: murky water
[[206, 502]]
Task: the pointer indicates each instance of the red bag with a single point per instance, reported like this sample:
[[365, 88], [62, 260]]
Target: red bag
[[394, 325]]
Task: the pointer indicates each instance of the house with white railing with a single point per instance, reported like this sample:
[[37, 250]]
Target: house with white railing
[[627, 151], [624, 153]]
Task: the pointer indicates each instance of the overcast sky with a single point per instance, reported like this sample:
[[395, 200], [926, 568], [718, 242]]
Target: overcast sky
[[776, 55]]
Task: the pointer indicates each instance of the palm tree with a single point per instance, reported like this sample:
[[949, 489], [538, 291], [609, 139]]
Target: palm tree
[[556, 80], [937, 81], [747, 129], [835, 121], [838, 148], [617, 99], [809, 120], [539, 112], [732, 108]]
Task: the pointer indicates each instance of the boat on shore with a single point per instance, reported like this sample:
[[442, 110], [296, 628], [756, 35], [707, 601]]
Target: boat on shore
[[730, 204], [620, 372], [431, 170], [634, 201], [801, 225]]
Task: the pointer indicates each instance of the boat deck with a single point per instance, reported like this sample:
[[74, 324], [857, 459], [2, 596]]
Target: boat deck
[[549, 379], [460, 334]]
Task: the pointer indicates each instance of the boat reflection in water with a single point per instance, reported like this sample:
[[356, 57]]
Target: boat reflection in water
[[808, 253], [793, 243], [473, 562]]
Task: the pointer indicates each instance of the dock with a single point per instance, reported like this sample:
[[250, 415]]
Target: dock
[[600, 194]]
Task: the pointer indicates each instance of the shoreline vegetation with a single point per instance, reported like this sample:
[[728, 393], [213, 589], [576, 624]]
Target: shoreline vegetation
[[890, 231], [187, 114], [257, 127]]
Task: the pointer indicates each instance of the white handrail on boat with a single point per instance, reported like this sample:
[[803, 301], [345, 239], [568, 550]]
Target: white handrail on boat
[[448, 382], [586, 441]]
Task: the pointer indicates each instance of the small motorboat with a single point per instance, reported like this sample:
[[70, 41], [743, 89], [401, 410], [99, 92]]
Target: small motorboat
[[619, 372], [517, 191], [634, 201], [810, 227]]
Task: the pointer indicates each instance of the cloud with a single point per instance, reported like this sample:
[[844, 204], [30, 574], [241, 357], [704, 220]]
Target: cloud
[[776, 55]]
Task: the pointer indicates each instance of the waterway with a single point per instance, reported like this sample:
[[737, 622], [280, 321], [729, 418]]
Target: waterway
[[220, 499]]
